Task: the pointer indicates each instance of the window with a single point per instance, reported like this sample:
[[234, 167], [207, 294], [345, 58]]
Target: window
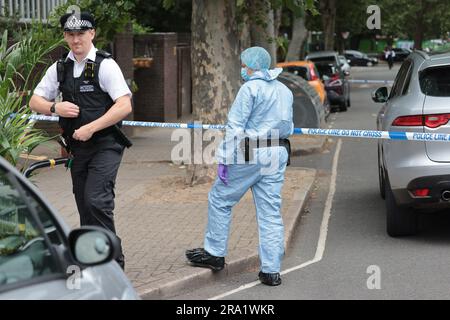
[[24, 245], [407, 80], [323, 60], [326, 69], [299, 71], [435, 81], [400, 80]]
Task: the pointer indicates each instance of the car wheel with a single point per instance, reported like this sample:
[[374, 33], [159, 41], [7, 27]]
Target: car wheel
[[369, 64], [400, 221], [381, 180], [343, 105]]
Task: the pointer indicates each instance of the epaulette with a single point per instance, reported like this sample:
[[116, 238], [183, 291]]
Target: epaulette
[[104, 54]]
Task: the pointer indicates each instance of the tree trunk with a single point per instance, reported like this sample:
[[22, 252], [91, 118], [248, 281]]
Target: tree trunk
[[328, 12], [339, 43], [419, 28], [299, 34], [277, 16], [280, 52], [215, 69], [262, 27]]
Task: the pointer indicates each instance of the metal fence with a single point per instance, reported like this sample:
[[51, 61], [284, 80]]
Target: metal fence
[[29, 10]]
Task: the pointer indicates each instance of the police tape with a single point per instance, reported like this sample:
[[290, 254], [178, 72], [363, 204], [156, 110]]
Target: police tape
[[346, 133], [375, 134], [370, 81]]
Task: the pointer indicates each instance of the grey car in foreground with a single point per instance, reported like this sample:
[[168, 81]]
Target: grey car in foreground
[[414, 174], [40, 258]]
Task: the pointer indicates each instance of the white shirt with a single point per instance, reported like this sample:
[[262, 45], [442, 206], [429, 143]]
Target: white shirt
[[110, 78]]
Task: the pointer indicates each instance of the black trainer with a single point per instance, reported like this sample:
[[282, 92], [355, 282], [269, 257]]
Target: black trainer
[[270, 279], [199, 257]]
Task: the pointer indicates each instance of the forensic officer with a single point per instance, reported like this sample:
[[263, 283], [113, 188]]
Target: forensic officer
[[95, 98], [262, 111]]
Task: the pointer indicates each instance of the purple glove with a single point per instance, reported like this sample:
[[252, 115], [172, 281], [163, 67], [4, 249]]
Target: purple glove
[[222, 172]]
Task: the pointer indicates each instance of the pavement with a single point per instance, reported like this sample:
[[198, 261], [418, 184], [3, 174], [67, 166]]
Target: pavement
[[158, 216]]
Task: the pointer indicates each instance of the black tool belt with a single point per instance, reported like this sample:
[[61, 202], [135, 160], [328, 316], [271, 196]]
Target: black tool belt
[[263, 143]]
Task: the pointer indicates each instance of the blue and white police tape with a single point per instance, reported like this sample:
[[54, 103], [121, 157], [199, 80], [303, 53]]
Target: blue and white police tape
[[374, 134], [370, 81], [147, 124], [346, 133]]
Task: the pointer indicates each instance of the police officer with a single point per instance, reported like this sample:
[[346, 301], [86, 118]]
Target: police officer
[[95, 98]]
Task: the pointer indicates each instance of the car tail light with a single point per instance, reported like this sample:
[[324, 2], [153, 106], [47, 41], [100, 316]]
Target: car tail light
[[313, 74], [429, 120], [436, 120], [408, 121], [421, 192], [335, 81]]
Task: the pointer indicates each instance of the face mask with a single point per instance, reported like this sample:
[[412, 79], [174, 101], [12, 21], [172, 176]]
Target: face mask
[[244, 74]]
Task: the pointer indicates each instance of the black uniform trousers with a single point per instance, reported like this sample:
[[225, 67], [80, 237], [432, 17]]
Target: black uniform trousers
[[94, 170]]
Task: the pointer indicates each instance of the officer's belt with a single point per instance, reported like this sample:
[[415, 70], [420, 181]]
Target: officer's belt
[[106, 136], [265, 143]]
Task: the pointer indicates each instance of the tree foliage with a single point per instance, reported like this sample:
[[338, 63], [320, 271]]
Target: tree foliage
[[18, 64], [111, 16], [164, 16], [399, 18]]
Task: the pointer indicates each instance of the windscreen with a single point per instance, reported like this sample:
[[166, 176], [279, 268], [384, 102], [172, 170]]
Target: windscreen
[[323, 60], [325, 69], [299, 71]]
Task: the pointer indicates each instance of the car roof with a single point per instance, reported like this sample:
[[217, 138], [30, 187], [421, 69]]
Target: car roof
[[298, 63], [318, 54], [436, 60], [429, 59], [352, 51], [439, 55]]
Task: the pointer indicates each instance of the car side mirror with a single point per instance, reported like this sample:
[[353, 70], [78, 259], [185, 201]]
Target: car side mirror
[[380, 95], [90, 245]]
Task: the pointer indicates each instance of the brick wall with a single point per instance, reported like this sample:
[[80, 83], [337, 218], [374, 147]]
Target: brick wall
[[123, 54], [184, 75], [156, 98]]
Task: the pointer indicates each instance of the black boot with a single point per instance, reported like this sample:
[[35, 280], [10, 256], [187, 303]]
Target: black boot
[[121, 261], [199, 257], [270, 279], [120, 257]]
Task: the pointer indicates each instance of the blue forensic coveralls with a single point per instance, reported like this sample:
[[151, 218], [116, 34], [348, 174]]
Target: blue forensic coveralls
[[263, 104]]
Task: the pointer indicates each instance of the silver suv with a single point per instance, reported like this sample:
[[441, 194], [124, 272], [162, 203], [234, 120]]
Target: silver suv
[[415, 174]]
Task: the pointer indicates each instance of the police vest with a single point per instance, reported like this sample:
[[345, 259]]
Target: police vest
[[85, 92]]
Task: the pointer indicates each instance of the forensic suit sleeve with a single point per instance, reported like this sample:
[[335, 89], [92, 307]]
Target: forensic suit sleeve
[[237, 119]]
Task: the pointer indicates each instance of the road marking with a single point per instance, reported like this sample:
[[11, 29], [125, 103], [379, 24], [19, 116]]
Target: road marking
[[322, 235], [328, 204]]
